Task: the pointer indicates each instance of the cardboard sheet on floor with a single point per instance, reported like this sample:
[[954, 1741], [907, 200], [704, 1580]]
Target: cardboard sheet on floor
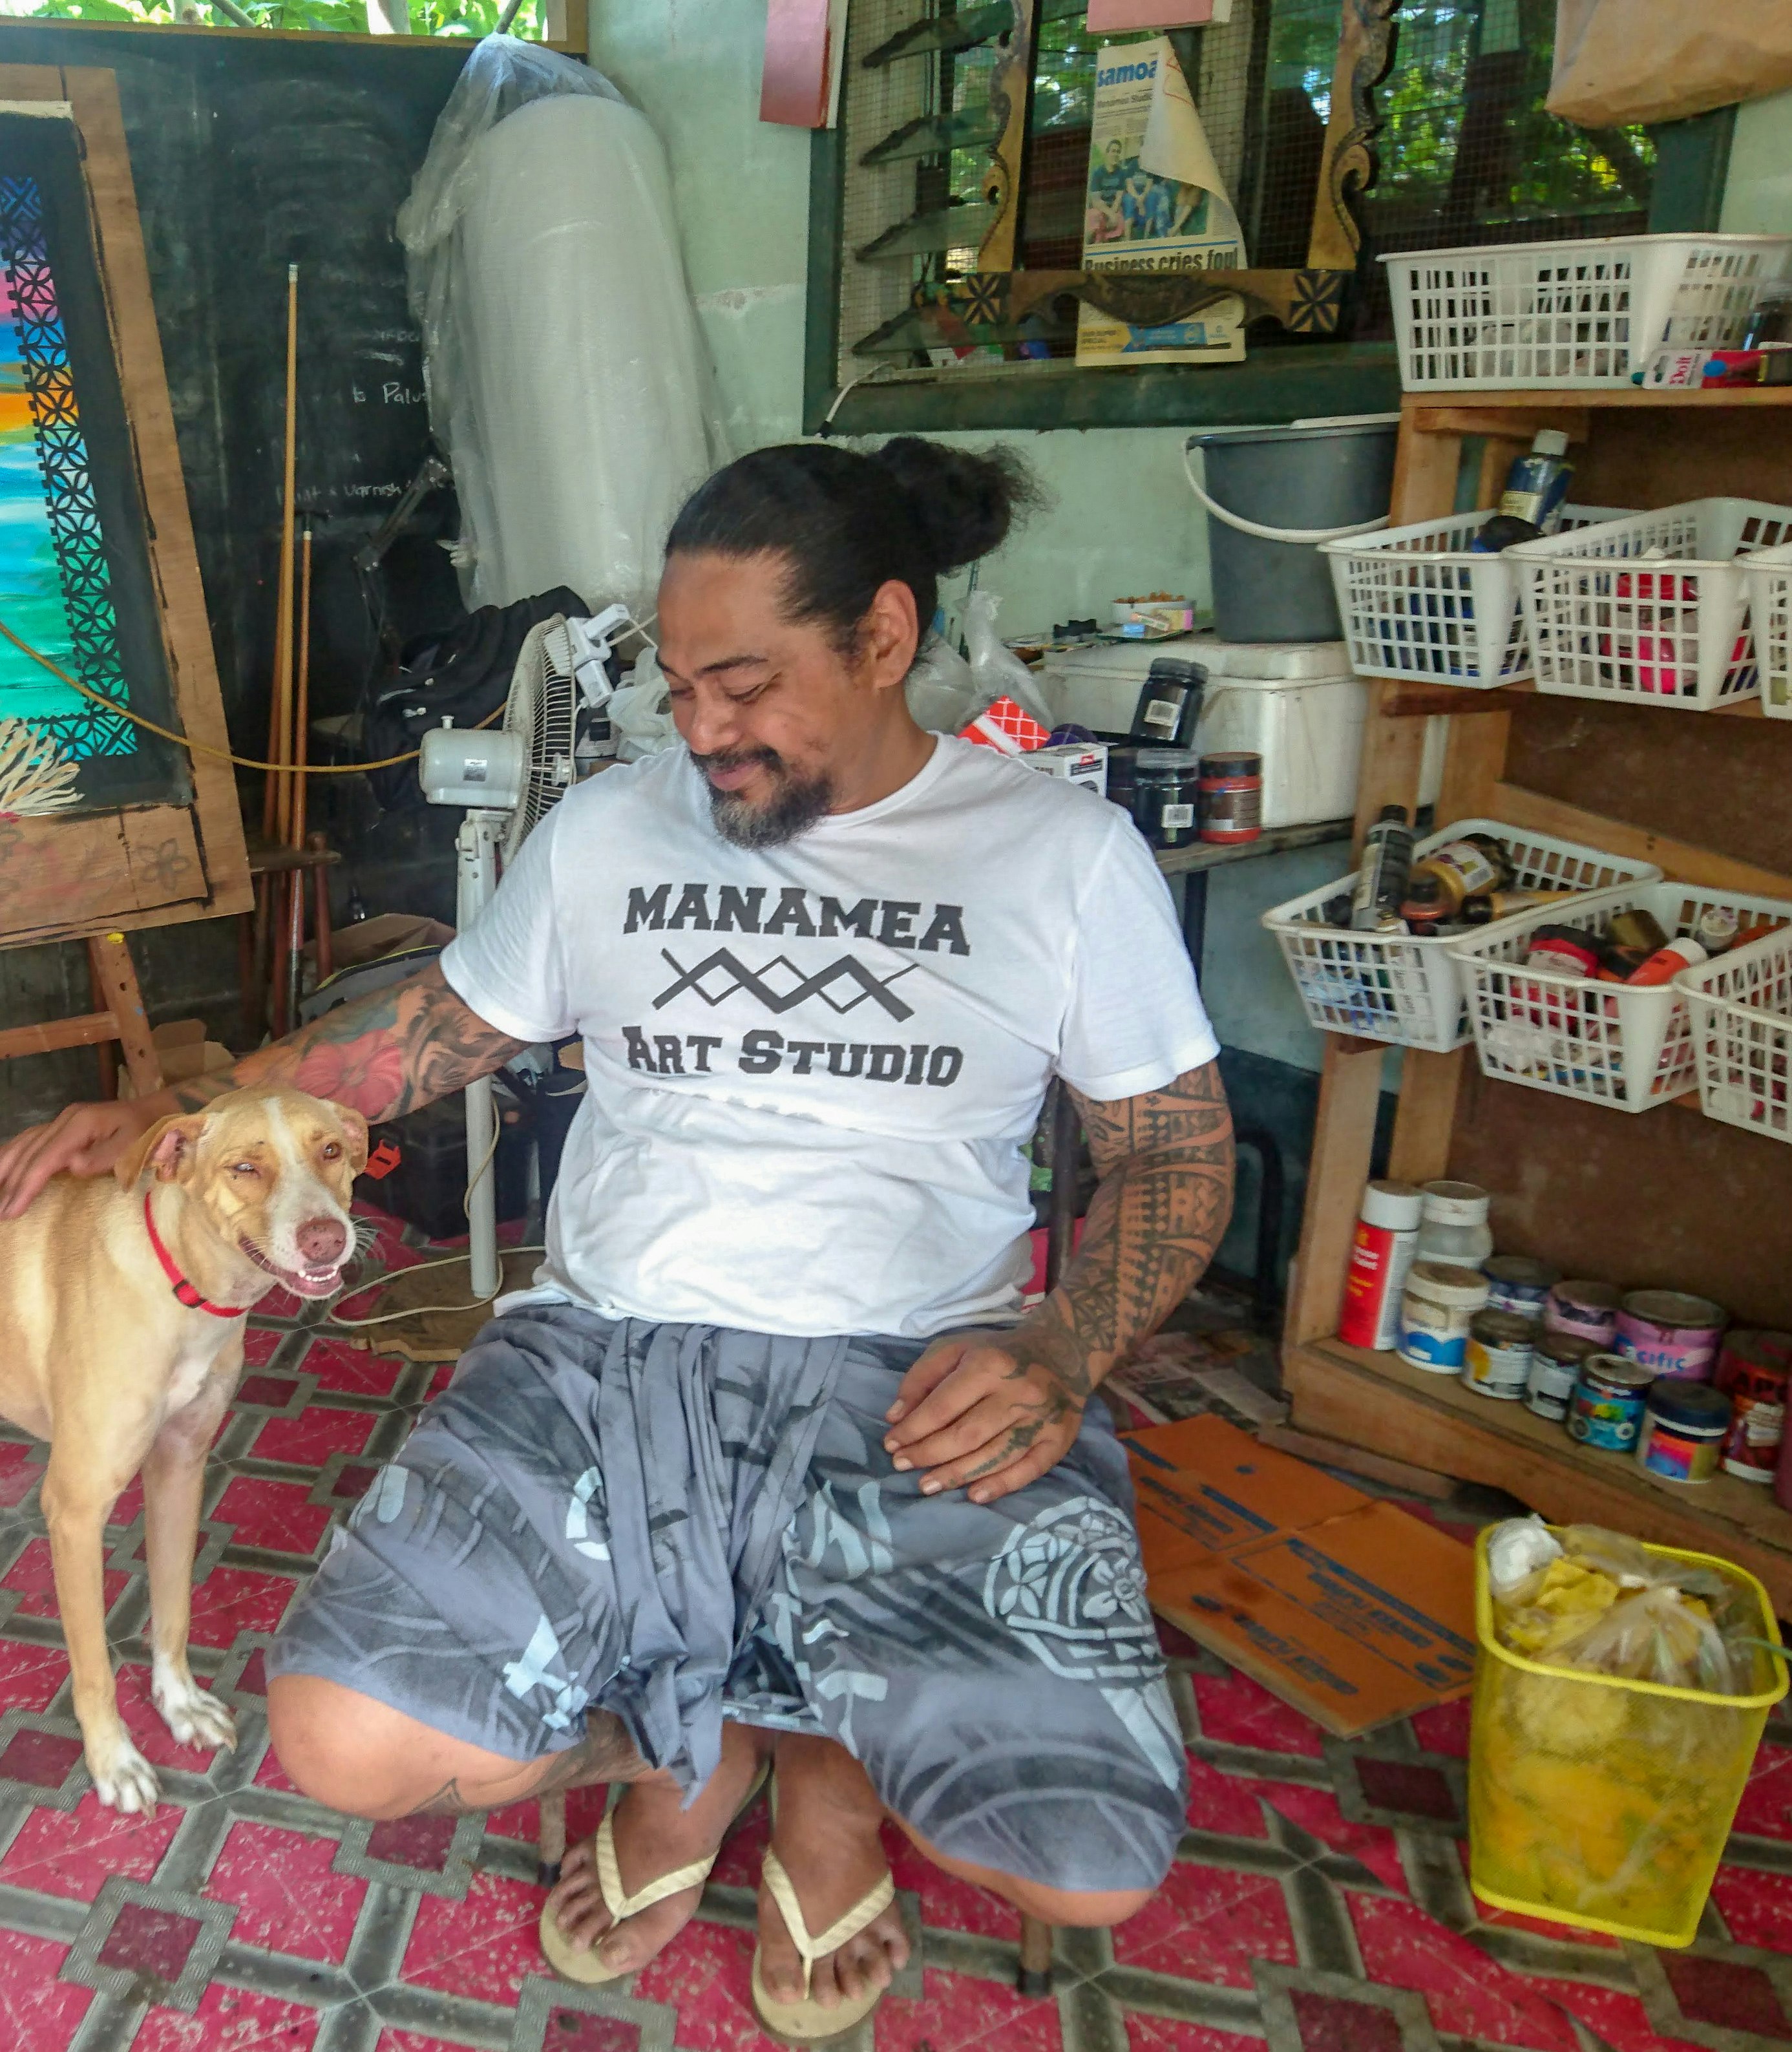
[[1346, 1606]]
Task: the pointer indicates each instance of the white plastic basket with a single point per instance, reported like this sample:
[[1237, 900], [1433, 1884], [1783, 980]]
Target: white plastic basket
[[1418, 602], [1741, 1013], [1670, 631], [1768, 577], [1577, 1037], [1528, 314], [1408, 990]]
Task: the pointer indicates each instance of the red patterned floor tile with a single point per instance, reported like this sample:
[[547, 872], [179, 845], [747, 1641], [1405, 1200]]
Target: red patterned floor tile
[[737, 1864], [1164, 2033], [1465, 1991], [149, 1734], [1220, 1802], [957, 2012], [1443, 1729], [1196, 1924], [313, 1436], [1234, 1710], [1316, 1810], [522, 1821], [1727, 1995], [233, 1599], [415, 2041], [1619, 2020], [129, 1504], [230, 2020], [38, 2013], [73, 1853], [1339, 2024], [338, 1366], [258, 1347], [703, 1975], [278, 1303], [483, 1946], [286, 1897], [947, 1903], [1766, 1809], [29, 1675], [32, 1576], [272, 1514], [270, 1774], [19, 1473], [1756, 1908]]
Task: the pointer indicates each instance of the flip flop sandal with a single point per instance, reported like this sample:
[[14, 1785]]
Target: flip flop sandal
[[807, 2021], [580, 1963]]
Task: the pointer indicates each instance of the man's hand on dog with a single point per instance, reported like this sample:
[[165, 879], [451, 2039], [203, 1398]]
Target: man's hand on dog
[[81, 1140], [984, 1412]]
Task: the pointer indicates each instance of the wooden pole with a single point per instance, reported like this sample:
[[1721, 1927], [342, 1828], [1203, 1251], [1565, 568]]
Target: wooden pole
[[302, 711], [276, 800]]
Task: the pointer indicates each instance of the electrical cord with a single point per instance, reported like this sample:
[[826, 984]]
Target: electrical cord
[[202, 748]]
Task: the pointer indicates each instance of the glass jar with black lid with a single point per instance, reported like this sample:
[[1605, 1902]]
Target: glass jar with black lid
[[1166, 798]]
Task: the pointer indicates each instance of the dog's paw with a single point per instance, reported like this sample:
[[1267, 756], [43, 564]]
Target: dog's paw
[[124, 1780], [195, 1718]]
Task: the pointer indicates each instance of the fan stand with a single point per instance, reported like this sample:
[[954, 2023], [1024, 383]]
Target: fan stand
[[475, 849]]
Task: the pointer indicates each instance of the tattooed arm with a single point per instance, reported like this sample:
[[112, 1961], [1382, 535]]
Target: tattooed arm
[[993, 1412], [404, 1046]]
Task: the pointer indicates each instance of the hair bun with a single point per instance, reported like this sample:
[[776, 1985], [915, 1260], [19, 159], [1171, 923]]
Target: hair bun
[[963, 503]]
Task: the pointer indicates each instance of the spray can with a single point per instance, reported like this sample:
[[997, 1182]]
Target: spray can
[[1537, 483], [1381, 882], [1381, 1255]]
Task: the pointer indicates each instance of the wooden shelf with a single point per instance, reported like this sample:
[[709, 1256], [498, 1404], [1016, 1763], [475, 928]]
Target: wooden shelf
[[1215, 854], [1435, 1421]]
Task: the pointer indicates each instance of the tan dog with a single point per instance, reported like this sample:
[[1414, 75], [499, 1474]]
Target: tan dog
[[122, 1308]]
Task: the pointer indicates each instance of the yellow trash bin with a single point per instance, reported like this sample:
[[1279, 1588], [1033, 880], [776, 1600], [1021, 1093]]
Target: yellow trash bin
[[1600, 1802]]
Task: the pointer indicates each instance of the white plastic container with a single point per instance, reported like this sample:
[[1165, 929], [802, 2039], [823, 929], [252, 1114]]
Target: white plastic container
[[1534, 314], [1439, 1300], [1740, 1006], [1408, 990], [1670, 631], [1418, 601], [1605, 1042], [1767, 577], [1295, 704], [1452, 1225]]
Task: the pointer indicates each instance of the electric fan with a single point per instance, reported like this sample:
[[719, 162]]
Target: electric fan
[[508, 777]]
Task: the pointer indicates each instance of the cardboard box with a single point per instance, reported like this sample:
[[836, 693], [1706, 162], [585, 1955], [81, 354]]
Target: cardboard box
[[184, 1052], [1084, 763], [1345, 1606]]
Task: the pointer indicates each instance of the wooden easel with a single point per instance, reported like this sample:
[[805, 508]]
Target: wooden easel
[[119, 1018]]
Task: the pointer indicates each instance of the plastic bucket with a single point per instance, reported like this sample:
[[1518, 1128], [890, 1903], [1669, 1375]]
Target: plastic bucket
[[1325, 482]]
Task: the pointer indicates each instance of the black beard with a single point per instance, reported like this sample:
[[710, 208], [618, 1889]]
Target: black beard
[[793, 809]]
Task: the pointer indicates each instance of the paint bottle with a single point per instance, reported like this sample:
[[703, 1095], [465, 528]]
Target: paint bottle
[[1500, 1354], [1716, 928], [1454, 1227], [1519, 1285], [1556, 1361], [1537, 483], [1588, 1311], [1684, 1428], [1752, 1372], [1607, 1410], [1381, 1256], [1466, 868], [1666, 963], [1169, 707], [1669, 1333], [1381, 882], [1436, 1309], [1231, 789]]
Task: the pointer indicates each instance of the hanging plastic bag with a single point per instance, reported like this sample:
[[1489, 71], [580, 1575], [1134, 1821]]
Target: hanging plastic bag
[[942, 694], [567, 377], [1000, 673], [641, 713]]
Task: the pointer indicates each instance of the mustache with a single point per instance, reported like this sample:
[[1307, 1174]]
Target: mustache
[[739, 758]]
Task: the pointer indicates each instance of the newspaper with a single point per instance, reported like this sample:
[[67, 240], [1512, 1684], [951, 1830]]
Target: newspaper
[[1156, 201]]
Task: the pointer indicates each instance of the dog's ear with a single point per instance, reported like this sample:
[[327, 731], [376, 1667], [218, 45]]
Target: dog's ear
[[355, 1129], [170, 1148]]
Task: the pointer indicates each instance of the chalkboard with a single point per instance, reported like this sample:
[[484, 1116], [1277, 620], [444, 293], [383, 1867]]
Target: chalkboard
[[250, 151]]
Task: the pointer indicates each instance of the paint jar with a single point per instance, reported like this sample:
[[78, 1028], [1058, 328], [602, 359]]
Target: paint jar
[[1454, 1228], [1231, 796], [1436, 1308], [1381, 1257], [1752, 1372], [1497, 1360], [1606, 1412], [1520, 1285], [1556, 1361], [1167, 796], [1684, 1424], [1588, 1311], [1123, 777], [1668, 1332]]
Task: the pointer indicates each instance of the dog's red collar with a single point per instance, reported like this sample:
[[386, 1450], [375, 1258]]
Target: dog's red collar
[[184, 1291]]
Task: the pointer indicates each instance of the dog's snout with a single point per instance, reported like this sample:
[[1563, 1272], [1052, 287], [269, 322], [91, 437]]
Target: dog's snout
[[322, 1239]]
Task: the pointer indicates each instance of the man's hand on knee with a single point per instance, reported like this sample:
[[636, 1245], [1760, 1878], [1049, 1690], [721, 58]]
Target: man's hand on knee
[[982, 1413]]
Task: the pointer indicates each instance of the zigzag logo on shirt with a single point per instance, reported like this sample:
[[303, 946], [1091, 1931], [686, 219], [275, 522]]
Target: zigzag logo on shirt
[[741, 977]]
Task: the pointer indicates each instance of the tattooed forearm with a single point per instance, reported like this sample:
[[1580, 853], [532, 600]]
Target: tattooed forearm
[[1165, 1162], [403, 1047], [605, 1753]]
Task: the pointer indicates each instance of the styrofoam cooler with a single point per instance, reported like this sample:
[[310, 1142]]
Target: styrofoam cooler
[[1295, 704], [1574, 1036], [1407, 989]]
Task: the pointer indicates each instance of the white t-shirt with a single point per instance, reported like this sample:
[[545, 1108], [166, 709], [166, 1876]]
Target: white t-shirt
[[812, 1071]]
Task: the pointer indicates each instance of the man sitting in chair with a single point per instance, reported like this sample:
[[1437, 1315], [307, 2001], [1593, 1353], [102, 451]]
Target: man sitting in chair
[[767, 1467]]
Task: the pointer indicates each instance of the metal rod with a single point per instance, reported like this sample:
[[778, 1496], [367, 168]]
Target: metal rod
[[302, 711], [275, 798]]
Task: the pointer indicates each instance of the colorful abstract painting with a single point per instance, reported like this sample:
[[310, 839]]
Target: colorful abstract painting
[[55, 582]]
